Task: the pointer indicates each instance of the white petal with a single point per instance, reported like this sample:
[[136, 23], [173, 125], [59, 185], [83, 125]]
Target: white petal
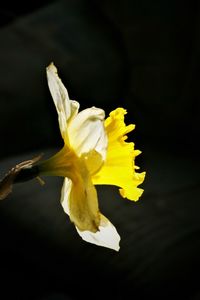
[[87, 132], [74, 109], [102, 144], [65, 192], [65, 107], [79, 201], [107, 236]]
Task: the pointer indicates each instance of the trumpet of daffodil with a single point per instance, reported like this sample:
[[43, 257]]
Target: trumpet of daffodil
[[95, 152]]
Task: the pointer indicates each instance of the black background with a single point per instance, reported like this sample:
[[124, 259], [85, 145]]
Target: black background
[[145, 57]]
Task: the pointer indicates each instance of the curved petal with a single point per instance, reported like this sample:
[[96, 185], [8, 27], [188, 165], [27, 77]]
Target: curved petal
[[87, 132], [119, 168], [79, 199], [107, 236], [66, 108]]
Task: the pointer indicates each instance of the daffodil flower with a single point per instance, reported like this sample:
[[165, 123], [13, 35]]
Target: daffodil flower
[[95, 152]]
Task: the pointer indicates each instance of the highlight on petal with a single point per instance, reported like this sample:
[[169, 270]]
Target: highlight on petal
[[65, 193], [107, 235], [87, 133], [119, 167], [67, 109], [93, 161]]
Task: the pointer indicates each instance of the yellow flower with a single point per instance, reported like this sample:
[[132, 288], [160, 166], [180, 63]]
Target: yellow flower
[[94, 152]]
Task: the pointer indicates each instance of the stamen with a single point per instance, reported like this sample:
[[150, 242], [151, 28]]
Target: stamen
[[40, 180]]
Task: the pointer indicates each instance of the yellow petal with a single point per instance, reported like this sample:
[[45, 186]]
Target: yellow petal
[[107, 235], [119, 167], [93, 161], [79, 199]]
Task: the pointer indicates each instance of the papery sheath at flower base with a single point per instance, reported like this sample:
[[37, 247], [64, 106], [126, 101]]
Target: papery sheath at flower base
[[95, 152]]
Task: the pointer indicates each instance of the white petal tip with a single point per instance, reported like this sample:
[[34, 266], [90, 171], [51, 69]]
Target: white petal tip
[[107, 236], [98, 112], [51, 68]]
